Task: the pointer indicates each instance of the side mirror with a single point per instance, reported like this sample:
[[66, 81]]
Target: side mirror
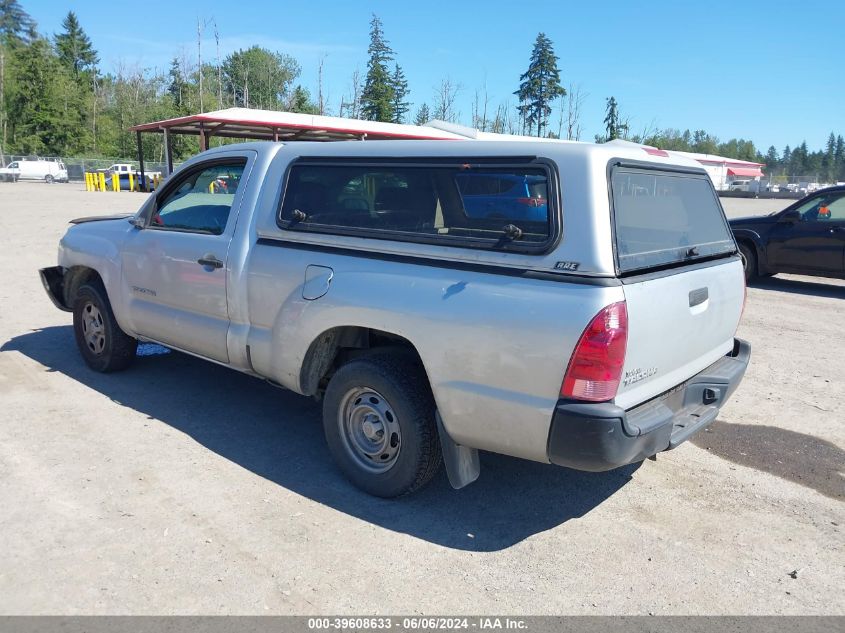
[[137, 222], [790, 217]]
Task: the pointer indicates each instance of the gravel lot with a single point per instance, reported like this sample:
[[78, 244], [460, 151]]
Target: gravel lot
[[180, 487]]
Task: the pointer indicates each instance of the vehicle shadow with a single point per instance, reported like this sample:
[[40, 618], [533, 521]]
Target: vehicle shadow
[[797, 457], [277, 434], [797, 286]]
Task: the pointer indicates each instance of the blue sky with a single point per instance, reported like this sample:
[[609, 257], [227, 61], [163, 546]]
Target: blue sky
[[767, 71]]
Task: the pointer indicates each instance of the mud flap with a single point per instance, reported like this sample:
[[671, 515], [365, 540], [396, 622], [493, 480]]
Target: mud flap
[[462, 463]]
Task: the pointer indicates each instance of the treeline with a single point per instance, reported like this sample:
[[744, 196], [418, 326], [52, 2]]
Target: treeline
[[56, 100], [789, 165]]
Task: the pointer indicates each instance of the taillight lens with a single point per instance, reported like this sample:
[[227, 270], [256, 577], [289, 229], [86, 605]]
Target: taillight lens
[[532, 202], [595, 368]]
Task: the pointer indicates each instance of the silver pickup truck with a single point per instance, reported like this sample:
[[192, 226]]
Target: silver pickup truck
[[560, 302]]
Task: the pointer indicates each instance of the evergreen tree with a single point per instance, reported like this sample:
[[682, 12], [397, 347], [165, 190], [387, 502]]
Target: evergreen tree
[[839, 158], [41, 121], [829, 159], [300, 101], [74, 47], [178, 87], [377, 96], [540, 85], [400, 92], [423, 115], [16, 25], [771, 157], [613, 126]]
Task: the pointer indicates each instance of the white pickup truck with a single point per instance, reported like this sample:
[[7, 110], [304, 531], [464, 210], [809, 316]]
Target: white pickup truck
[[560, 302]]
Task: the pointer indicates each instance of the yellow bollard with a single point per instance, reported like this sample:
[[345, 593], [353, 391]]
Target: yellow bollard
[[131, 181], [102, 181], [87, 182], [115, 182]]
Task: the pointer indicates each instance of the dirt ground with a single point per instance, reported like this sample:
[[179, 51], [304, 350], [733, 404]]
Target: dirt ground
[[181, 487]]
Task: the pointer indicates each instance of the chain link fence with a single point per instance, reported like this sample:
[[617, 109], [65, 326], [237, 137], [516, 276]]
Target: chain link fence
[[78, 166]]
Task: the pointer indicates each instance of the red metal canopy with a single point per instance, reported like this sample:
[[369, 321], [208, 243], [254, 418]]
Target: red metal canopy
[[748, 172]]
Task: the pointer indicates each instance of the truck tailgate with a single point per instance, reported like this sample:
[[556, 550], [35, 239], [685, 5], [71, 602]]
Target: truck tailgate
[[678, 324]]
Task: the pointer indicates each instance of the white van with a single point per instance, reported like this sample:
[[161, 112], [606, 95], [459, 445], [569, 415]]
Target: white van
[[46, 170]]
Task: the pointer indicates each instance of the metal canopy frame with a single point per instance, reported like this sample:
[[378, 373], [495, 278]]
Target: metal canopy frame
[[264, 125]]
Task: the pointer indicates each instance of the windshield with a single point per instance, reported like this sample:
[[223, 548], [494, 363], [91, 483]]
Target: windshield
[[664, 218]]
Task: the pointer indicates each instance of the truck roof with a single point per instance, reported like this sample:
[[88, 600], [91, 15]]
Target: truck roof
[[558, 149]]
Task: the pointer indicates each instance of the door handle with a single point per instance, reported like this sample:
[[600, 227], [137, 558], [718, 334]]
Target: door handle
[[837, 229], [210, 260]]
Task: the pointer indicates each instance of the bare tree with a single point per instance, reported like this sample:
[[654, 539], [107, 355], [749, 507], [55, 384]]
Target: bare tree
[[321, 103], [479, 110], [649, 129], [499, 121], [351, 107], [574, 102], [2, 99], [201, 24], [444, 100], [506, 120], [200, 28], [219, 69]]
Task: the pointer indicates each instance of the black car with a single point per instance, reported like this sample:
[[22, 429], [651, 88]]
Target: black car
[[806, 238]]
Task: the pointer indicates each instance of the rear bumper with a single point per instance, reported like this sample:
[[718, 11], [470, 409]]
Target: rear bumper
[[53, 280], [603, 436]]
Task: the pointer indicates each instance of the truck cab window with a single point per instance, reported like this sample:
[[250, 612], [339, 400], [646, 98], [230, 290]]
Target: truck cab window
[[201, 201]]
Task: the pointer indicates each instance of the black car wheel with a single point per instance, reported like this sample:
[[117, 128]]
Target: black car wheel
[[749, 261]]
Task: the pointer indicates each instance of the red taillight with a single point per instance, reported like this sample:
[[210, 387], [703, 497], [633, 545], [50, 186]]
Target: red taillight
[[595, 368], [532, 202]]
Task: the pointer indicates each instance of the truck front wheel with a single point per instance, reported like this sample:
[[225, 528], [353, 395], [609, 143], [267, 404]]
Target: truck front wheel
[[103, 345], [378, 417]]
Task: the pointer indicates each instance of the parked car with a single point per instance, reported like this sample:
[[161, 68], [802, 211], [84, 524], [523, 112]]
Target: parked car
[[806, 238], [740, 185], [46, 170], [504, 195], [593, 337]]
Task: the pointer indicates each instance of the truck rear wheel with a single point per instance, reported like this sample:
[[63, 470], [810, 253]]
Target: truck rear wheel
[[103, 345], [378, 417], [48, 179]]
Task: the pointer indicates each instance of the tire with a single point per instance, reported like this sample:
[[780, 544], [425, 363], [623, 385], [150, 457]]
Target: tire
[[378, 417], [749, 261], [48, 179], [103, 345]]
